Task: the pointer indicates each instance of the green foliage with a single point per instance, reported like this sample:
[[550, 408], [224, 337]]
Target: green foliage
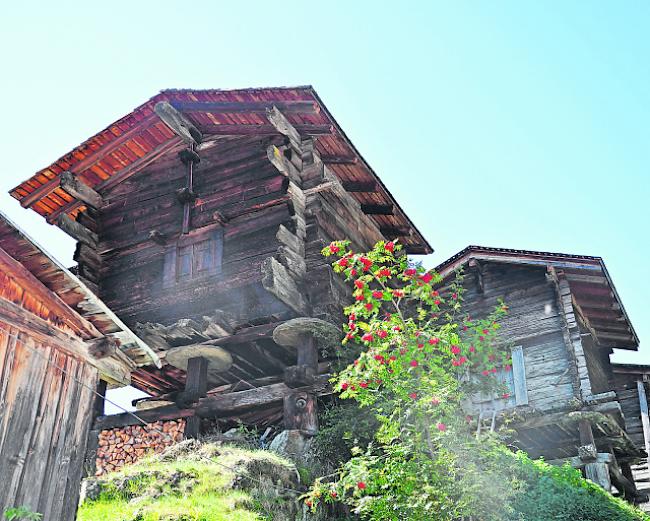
[[21, 514], [343, 427], [560, 493], [417, 358]]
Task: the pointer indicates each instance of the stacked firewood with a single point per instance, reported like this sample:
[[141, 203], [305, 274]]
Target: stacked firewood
[[122, 446]]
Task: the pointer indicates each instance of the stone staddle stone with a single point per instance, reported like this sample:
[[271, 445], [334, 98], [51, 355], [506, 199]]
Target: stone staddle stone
[[293, 333], [219, 360]]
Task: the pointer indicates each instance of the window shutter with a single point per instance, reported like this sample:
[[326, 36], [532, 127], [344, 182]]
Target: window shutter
[[217, 252], [169, 268], [519, 376]]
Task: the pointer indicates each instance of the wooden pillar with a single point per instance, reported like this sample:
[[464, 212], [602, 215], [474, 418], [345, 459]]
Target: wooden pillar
[[100, 401], [645, 419], [196, 386], [300, 411], [595, 469]]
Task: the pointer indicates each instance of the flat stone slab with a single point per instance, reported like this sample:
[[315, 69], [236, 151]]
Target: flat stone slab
[[219, 360], [294, 332]]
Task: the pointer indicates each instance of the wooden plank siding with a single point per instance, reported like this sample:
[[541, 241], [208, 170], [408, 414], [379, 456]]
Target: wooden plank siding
[[534, 323], [239, 183], [44, 420]]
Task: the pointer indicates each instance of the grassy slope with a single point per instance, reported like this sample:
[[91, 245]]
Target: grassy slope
[[193, 485]]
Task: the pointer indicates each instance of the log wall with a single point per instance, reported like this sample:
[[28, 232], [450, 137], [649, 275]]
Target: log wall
[[534, 322], [627, 392], [44, 421], [235, 184], [126, 445]]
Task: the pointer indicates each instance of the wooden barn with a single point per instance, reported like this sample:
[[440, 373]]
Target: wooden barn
[[200, 217], [565, 318], [57, 339]]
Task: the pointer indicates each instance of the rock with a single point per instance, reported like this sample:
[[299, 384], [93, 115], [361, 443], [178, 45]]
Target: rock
[[293, 333], [90, 490], [292, 444]]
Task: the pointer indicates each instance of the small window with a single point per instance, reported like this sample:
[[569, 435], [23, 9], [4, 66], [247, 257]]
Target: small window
[[514, 380], [193, 257]]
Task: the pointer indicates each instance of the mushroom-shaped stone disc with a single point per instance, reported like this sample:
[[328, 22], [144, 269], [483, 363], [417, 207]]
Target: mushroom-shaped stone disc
[[294, 332], [219, 360]]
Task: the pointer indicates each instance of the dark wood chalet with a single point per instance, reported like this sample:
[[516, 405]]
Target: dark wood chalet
[[57, 339], [200, 217], [564, 320]]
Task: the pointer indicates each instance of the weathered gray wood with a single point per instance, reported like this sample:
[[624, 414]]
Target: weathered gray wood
[[278, 281], [44, 419], [196, 384], [282, 124], [77, 231], [176, 121], [80, 190], [519, 375], [599, 473], [113, 368], [645, 418]]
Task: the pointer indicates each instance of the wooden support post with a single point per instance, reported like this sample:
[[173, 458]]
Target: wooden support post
[[586, 434], [645, 419], [595, 470], [196, 387], [300, 413], [100, 400]]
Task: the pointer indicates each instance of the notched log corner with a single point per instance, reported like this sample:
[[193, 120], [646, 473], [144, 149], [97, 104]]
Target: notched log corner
[[277, 280]]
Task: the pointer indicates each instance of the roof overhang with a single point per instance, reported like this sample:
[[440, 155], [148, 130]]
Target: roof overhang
[[592, 289], [96, 319], [137, 139]]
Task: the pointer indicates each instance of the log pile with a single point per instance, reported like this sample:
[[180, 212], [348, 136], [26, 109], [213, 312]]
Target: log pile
[[125, 445]]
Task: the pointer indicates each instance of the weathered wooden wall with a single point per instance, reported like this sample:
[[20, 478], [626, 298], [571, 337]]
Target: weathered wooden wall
[[238, 182], [598, 365], [533, 322], [627, 392], [44, 422]]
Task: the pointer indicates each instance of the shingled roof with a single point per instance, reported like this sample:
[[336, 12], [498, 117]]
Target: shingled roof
[[73, 293], [138, 138], [591, 287]]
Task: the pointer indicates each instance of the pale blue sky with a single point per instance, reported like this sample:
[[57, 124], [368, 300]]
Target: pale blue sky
[[511, 124]]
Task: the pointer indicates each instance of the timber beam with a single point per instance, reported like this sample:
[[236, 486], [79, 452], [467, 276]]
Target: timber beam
[[178, 123], [117, 369], [283, 126], [79, 190], [219, 405], [54, 302], [377, 209], [339, 160], [120, 176], [87, 162], [77, 231], [395, 231], [256, 107], [360, 186]]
